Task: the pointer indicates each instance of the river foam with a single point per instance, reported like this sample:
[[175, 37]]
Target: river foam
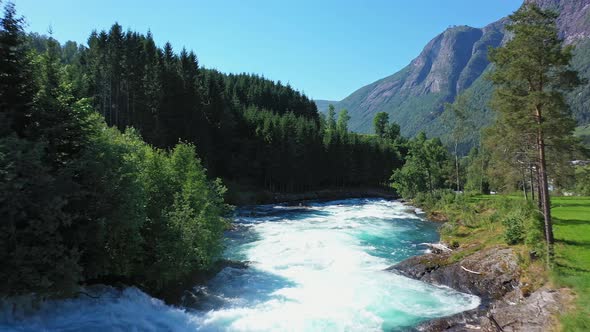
[[317, 267]]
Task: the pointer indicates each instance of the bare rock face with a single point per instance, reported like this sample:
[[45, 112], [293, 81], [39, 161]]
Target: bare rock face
[[574, 18], [448, 65], [535, 313]]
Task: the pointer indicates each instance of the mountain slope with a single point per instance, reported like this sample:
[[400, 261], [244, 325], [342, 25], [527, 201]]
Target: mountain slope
[[454, 62], [415, 96], [322, 105]]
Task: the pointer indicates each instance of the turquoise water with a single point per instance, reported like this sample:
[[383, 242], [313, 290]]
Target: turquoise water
[[317, 267]]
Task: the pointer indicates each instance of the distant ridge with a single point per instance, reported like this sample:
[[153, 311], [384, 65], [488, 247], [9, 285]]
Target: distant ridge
[[323, 105], [453, 62]]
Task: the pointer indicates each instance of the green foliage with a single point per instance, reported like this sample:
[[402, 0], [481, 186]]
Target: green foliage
[[109, 170], [428, 200], [425, 170], [80, 201], [582, 179], [476, 179], [534, 127], [532, 75], [16, 90], [167, 96], [522, 223], [572, 234], [384, 129], [393, 131], [35, 255], [342, 123], [380, 122], [337, 157], [514, 233], [583, 132], [185, 215]]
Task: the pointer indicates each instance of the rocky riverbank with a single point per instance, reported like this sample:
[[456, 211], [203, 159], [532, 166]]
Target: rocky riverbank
[[494, 275]]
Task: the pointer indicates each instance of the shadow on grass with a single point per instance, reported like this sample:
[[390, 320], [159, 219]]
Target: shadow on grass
[[576, 243], [568, 205], [562, 222], [564, 266]]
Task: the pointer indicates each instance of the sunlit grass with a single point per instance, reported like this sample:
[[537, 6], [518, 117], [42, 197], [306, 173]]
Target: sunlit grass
[[571, 217], [572, 265]]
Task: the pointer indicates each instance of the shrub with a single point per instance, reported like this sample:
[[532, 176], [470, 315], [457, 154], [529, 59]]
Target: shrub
[[514, 232]]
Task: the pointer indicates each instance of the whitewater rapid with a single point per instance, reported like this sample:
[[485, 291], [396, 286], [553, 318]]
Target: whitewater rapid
[[317, 267]]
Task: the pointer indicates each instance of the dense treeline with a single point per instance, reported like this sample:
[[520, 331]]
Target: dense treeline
[[290, 152], [167, 96], [99, 174], [81, 201]]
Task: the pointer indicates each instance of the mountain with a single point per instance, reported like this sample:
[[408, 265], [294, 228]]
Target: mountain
[[323, 105], [454, 62]]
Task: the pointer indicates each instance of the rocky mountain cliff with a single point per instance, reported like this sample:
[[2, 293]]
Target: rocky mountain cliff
[[454, 62]]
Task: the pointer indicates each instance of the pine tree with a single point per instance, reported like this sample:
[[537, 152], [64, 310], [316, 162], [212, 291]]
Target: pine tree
[[532, 74], [16, 90]]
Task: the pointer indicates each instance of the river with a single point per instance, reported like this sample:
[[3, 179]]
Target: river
[[317, 267]]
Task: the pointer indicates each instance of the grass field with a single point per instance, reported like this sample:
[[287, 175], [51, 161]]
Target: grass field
[[572, 265], [477, 228]]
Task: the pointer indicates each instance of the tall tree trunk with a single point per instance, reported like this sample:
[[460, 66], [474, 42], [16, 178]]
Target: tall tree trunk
[[430, 183], [457, 167], [539, 194], [544, 187], [526, 197], [482, 165], [532, 182]]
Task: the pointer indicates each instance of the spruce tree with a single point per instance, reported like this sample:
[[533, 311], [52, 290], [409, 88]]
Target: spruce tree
[[16, 90]]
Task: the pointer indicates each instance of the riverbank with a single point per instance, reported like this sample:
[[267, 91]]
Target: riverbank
[[241, 195], [495, 276], [517, 292]]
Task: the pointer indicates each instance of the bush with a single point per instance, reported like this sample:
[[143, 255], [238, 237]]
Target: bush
[[583, 180], [119, 209], [523, 225], [185, 213], [535, 234], [514, 231], [440, 198]]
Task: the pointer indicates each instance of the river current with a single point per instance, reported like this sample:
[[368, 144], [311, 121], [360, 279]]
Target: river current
[[315, 267]]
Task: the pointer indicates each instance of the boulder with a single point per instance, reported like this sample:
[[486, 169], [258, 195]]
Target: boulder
[[489, 273]]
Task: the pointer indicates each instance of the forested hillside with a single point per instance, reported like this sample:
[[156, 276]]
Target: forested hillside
[[100, 146], [81, 201], [246, 128]]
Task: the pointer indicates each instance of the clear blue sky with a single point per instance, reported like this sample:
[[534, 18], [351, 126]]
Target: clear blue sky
[[326, 48]]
